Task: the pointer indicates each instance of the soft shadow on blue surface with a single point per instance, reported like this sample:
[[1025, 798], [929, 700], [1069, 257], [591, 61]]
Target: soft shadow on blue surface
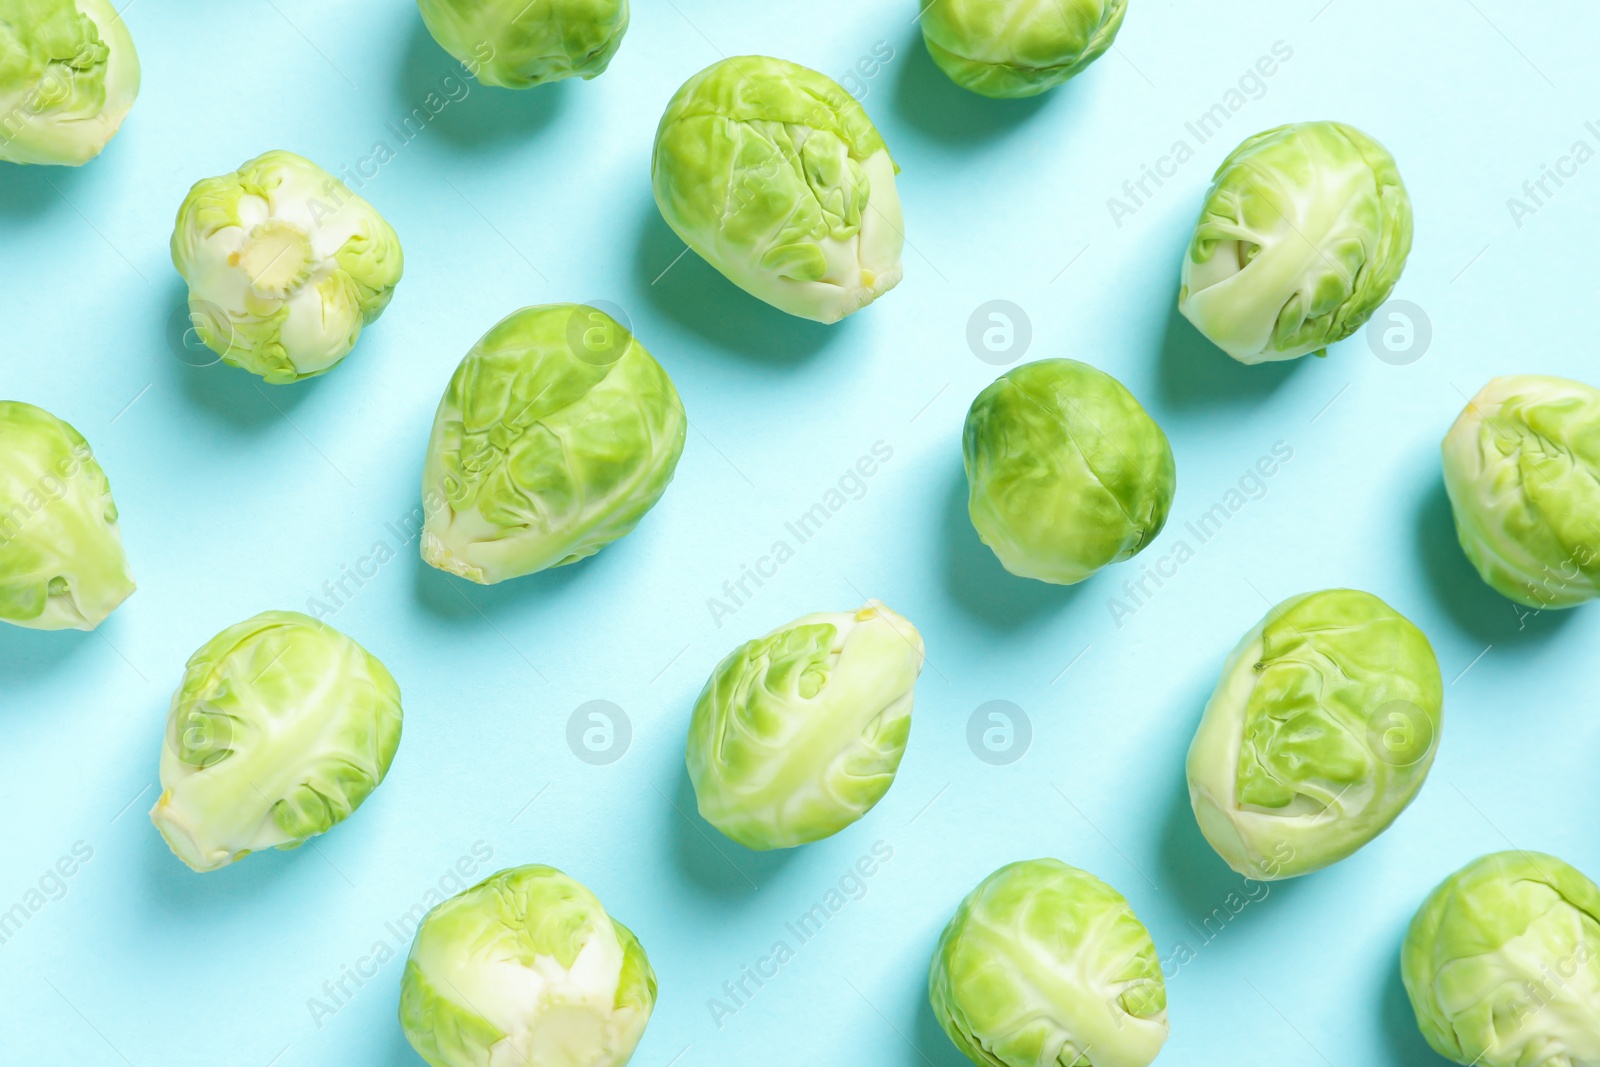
[[933, 1045], [400, 1053], [1196, 372], [716, 864], [1406, 1046], [978, 583], [926, 98], [33, 190], [216, 896], [28, 655], [692, 293], [1473, 605], [434, 94]]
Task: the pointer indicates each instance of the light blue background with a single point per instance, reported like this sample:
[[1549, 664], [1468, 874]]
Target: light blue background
[[237, 497]]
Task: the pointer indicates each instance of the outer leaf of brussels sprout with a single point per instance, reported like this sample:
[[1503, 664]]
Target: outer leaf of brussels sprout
[[543, 451], [1319, 735], [1046, 964], [61, 560], [525, 968], [775, 175], [1303, 235], [281, 728], [1066, 471], [68, 77], [1522, 467], [1502, 963], [285, 265], [518, 44], [1015, 48], [799, 733]]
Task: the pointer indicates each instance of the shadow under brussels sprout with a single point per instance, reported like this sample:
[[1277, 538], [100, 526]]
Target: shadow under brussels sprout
[[716, 863], [694, 294], [1473, 605], [31, 190], [1404, 1042], [932, 1044], [975, 579], [26, 655], [925, 97], [1196, 372], [434, 91]]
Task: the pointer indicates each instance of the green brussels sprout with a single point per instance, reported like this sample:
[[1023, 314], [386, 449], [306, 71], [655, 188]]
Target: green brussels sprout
[[775, 175], [62, 566], [1502, 963], [525, 969], [557, 433], [68, 77], [1046, 964], [1522, 468], [1066, 472], [518, 44], [798, 734], [1014, 48], [1321, 731], [285, 265], [1303, 236], [281, 728]]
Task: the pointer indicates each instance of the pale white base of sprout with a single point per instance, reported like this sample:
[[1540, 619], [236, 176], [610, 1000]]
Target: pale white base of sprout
[[49, 137], [188, 841]]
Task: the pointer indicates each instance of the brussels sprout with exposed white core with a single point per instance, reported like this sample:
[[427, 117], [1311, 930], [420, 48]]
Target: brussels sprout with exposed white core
[[62, 566], [1015, 48], [68, 77], [1303, 235], [1066, 473], [1320, 733], [1502, 963], [285, 265], [1044, 964], [799, 733], [776, 176], [557, 433], [525, 969], [281, 728], [518, 44], [1522, 468]]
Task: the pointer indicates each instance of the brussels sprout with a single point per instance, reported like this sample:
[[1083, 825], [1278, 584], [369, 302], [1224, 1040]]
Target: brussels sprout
[[525, 969], [1046, 964], [1522, 467], [68, 77], [281, 728], [1013, 48], [61, 560], [285, 265], [518, 44], [1303, 235], [1066, 471], [1321, 731], [775, 175], [799, 733], [557, 433], [1502, 963]]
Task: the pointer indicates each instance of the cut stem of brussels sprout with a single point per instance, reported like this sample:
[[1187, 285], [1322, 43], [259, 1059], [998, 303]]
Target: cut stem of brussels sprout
[[1318, 736], [68, 77], [776, 177], [281, 728], [557, 433], [1046, 964], [1303, 235], [62, 565], [285, 266], [525, 969], [518, 44], [1018, 48], [799, 733], [1065, 471], [1522, 468], [1502, 964]]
